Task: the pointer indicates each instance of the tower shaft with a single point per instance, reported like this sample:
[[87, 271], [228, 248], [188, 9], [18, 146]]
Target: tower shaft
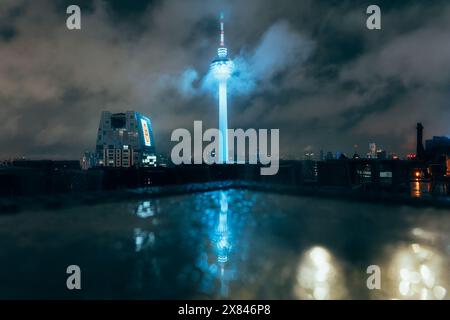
[[223, 122]]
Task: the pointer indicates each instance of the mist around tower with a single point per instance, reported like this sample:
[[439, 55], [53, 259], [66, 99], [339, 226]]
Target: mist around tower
[[223, 141]]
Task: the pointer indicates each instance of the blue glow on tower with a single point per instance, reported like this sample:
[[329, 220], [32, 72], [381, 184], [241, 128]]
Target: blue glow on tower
[[222, 68]]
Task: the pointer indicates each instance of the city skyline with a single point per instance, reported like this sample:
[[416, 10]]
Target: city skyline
[[312, 70]]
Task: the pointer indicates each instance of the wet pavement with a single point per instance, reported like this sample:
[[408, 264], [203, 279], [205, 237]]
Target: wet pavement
[[233, 244]]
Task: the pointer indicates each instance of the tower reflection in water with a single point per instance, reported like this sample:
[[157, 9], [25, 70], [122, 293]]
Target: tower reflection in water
[[319, 276], [222, 242], [214, 261]]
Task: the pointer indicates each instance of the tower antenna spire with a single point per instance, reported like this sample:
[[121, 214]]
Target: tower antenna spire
[[222, 30], [222, 52]]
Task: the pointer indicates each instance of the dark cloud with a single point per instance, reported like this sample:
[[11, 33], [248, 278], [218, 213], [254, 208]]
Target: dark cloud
[[309, 68]]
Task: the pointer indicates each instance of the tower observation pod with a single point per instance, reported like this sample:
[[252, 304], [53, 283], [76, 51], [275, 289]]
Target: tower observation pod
[[221, 69]]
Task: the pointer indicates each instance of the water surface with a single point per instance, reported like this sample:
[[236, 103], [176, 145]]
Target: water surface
[[232, 244]]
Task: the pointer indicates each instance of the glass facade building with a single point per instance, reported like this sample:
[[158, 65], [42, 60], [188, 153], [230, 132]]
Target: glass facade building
[[125, 140]]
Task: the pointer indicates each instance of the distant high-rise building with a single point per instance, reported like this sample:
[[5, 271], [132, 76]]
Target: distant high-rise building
[[393, 156], [329, 156], [341, 155], [438, 143], [438, 152], [437, 148], [381, 154], [309, 156], [372, 150], [125, 140], [321, 156], [88, 160]]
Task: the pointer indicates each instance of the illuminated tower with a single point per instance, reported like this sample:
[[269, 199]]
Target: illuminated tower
[[222, 68]]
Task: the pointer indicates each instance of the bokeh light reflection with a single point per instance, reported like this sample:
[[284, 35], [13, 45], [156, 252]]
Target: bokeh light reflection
[[417, 272], [319, 276]]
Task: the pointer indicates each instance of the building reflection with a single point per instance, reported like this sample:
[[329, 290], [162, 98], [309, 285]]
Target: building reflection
[[146, 209], [144, 238], [146, 268], [417, 272], [420, 188], [415, 189], [319, 276]]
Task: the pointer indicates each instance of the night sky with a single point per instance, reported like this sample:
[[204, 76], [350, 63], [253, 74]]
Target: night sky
[[310, 68]]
